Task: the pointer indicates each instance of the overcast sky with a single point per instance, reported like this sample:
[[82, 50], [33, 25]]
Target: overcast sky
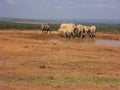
[[60, 9]]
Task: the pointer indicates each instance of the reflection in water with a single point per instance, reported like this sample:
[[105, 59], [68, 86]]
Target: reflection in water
[[90, 41], [53, 41], [112, 42]]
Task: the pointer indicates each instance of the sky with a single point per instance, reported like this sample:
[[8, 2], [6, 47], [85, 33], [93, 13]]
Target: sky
[[60, 9]]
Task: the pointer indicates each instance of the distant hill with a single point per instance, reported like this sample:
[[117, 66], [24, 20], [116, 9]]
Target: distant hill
[[82, 21]]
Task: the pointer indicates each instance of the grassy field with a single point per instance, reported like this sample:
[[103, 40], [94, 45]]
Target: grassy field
[[28, 61], [105, 28], [108, 28], [24, 26]]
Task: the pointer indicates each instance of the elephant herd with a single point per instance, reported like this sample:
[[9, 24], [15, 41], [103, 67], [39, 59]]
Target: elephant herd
[[70, 30]]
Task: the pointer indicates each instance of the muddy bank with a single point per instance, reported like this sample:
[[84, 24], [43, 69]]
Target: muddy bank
[[108, 36]]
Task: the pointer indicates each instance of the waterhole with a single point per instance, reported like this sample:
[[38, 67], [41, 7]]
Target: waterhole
[[109, 42]]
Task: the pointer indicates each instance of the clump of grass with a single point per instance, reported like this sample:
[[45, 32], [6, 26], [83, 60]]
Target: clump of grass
[[87, 79], [61, 79], [105, 80], [26, 78]]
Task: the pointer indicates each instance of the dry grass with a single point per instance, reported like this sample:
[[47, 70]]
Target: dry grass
[[29, 61]]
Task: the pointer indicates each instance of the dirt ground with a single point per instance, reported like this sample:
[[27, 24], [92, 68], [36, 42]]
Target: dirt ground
[[30, 60]]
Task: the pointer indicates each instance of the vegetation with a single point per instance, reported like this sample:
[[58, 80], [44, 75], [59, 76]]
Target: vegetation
[[107, 28], [24, 26], [60, 78], [21, 26]]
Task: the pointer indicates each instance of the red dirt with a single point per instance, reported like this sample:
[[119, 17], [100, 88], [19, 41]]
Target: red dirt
[[29, 62]]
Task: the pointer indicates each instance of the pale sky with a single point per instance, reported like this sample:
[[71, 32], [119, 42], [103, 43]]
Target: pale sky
[[60, 9]]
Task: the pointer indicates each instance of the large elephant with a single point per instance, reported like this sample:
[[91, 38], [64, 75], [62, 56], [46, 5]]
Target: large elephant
[[45, 28]]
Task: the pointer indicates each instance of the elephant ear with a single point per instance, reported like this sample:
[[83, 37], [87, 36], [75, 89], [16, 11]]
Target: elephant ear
[[75, 31]]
